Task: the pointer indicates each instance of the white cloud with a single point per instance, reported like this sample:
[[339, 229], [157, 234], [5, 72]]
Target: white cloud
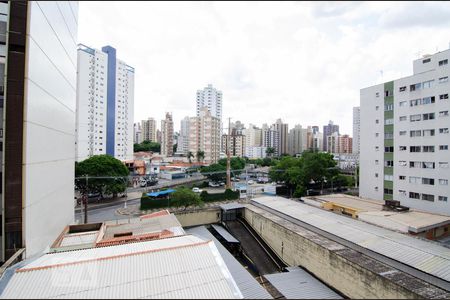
[[299, 61]]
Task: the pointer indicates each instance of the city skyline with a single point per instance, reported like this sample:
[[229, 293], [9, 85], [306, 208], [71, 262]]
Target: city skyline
[[313, 58]]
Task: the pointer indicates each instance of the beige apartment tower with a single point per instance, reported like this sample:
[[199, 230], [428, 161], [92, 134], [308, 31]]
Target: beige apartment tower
[[204, 135]]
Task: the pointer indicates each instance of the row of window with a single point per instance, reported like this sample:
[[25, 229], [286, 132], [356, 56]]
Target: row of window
[[414, 195], [423, 180], [415, 164], [414, 148]]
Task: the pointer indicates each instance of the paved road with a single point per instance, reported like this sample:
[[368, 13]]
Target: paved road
[[101, 214]]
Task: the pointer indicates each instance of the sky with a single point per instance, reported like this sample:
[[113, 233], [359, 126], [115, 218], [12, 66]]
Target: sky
[[303, 62]]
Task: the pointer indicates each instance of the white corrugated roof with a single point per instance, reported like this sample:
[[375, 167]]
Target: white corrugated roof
[[79, 238], [250, 288], [423, 255], [299, 284], [167, 268]]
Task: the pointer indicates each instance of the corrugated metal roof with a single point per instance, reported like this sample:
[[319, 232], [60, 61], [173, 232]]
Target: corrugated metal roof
[[299, 284], [79, 238], [166, 268], [427, 256], [225, 234], [233, 205], [250, 288]]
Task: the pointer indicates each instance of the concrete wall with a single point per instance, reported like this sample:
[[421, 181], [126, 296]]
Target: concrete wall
[[348, 271], [198, 217]]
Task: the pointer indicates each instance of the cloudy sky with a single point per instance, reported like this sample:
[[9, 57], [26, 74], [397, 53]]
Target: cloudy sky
[[299, 61]]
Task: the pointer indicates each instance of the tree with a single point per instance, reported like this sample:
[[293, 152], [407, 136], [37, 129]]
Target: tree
[[200, 155], [174, 148], [215, 172], [101, 166], [147, 146], [184, 197], [270, 151], [190, 155]]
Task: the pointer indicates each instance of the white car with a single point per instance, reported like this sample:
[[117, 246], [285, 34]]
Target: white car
[[213, 184], [250, 182], [197, 190]]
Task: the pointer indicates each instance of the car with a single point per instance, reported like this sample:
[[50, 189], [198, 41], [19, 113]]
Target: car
[[221, 183], [250, 182], [234, 179], [213, 184], [197, 190]]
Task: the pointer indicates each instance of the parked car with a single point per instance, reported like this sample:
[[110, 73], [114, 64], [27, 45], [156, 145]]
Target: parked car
[[213, 184], [250, 182], [221, 183], [197, 190], [312, 192], [234, 179]]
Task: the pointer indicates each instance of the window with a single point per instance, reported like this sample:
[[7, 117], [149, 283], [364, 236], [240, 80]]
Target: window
[[402, 118], [403, 132], [377, 121], [389, 177], [428, 181], [377, 107], [428, 100], [376, 175], [414, 149], [428, 116], [443, 62], [443, 147], [402, 163], [427, 197], [443, 198], [415, 118], [402, 148], [415, 133], [388, 191], [414, 164], [428, 132], [428, 165], [443, 181], [388, 149], [427, 84], [443, 79], [388, 107], [428, 148], [443, 165], [402, 89], [403, 103], [387, 93], [389, 163], [401, 177], [377, 134], [377, 148], [425, 61], [413, 179], [414, 102], [443, 113], [388, 121], [388, 136], [413, 195], [443, 97], [376, 189], [376, 161], [443, 130], [402, 192]]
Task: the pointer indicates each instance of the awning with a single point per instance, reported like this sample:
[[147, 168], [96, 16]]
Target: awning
[[161, 193]]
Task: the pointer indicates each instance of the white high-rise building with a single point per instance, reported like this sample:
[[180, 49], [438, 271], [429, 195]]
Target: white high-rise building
[[255, 152], [405, 137], [356, 129], [105, 104], [297, 140], [137, 133], [270, 139], [38, 71], [212, 99], [282, 129], [204, 135], [167, 135], [183, 138], [149, 130], [253, 136]]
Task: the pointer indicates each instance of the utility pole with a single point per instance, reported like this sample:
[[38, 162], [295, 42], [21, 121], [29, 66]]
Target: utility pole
[[228, 156], [85, 200]]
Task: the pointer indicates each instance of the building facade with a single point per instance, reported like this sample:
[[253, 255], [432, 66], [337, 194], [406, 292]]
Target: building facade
[[167, 135], [356, 130], [282, 130], [345, 144], [253, 136], [270, 139], [183, 138], [333, 143], [327, 131], [255, 152], [105, 104], [237, 144], [137, 133], [405, 137], [204, 135], [38, 62], [211, 98], [297, 140], [149, 130]]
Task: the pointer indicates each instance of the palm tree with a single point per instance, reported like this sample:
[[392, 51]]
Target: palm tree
[[189, 155], [270, 151], [200, 155]]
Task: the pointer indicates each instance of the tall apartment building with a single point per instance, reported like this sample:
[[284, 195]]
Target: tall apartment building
[[158, 136], [270, 138], [282, 130], [253, 136], [105, 104], [255, 152], [297, 140], [328, 130], [204, 135], [167, 135], [315, 129], [38, 65], [345, 144], [183, 138], [405, 137], [333, 143], [137, 133], [317, 141], [212, 99], [237, 127], [356, 130], [237, 144], [149, 130]]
